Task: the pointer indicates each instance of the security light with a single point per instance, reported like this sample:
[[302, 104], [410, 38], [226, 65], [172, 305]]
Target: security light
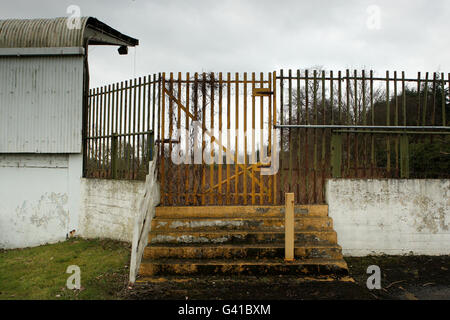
[[123, 50]]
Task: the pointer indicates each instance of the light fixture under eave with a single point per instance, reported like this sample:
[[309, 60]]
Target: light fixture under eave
[[123, 50]]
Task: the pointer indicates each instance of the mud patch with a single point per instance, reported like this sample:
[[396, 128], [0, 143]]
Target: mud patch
[[245, 288], [403, 278], [406, 277]]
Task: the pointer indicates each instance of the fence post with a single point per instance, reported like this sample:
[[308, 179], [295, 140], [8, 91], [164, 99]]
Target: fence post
[[114, 155], [404, 156], [151, 144], [289, 227], [336, 155]]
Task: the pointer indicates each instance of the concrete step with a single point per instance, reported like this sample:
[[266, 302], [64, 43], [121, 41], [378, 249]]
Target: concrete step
[[243, 267], [241, 236], [240, 240], [238, 211], [244, 251], [226, 223]]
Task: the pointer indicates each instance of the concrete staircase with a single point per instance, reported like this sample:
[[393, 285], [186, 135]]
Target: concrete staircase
[[235, 240]]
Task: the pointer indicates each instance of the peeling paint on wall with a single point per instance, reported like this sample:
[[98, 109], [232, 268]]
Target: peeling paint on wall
[[428, 216], [51, 206], [390, 216], [36, 206]]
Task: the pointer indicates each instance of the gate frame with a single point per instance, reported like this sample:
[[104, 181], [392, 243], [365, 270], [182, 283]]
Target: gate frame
[[245, 169]]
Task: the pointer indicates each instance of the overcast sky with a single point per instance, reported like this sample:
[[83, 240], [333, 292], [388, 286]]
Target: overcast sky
[[257, 35]]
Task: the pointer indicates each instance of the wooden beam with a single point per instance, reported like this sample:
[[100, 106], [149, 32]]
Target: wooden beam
[[289, 227]]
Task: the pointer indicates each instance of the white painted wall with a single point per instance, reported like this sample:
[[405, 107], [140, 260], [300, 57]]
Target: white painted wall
[[43, 197], [109, 208], [75, 173], [39, 198], [390, 216]]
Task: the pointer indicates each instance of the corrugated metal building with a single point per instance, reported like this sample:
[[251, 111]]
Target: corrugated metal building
[[43, 79], [44, 82], [41, 102]]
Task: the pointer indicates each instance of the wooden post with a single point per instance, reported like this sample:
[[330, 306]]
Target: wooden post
[[289, 227], [272, 121], [114, 156]]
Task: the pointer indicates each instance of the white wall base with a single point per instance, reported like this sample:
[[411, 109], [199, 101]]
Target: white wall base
[[39, 200], [390, 216]]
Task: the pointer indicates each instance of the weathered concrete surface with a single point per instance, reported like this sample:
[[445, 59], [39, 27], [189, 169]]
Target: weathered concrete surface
[[390, 216], [109, 208], [238, 211], [231, 240], [143, 221], [241, 251], [336, 268], [38, 198], [240, 236], [261, 224]]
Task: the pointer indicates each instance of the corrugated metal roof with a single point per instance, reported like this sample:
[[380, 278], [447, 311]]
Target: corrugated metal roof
[[43, 33]]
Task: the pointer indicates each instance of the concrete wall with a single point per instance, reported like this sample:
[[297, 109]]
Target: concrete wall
[[43, 197], [390, 216], [109, 208], [39, 198]]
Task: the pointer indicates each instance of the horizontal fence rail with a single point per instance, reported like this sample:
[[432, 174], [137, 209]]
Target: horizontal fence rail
[[330, 126], [320, 124]]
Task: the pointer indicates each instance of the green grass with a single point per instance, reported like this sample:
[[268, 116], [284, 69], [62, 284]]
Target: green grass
[[40, 272]]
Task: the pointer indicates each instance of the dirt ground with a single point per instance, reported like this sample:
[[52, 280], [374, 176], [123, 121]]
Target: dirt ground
[[403, 277]]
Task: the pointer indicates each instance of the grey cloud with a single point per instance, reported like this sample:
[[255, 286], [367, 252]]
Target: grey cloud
[[259, 35]]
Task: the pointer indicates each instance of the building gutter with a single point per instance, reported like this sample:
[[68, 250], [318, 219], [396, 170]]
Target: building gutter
[[51, 51]]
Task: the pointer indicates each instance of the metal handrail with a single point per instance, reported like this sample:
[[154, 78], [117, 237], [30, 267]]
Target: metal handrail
[[331, 126], [120, 135]]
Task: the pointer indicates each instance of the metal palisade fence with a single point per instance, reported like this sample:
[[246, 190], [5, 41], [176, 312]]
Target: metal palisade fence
[[120, 125], [247, 138], [357, 125]]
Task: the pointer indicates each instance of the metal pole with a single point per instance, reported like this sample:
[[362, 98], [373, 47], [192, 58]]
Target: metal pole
[[114, 156], [318, 126]]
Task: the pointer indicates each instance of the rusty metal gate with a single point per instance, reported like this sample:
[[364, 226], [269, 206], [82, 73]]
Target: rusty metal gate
[[216, 132]]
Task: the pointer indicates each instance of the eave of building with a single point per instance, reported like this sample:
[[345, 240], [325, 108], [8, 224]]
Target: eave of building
[[53, 37]]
